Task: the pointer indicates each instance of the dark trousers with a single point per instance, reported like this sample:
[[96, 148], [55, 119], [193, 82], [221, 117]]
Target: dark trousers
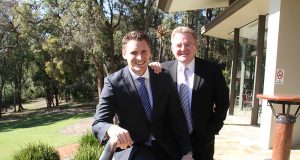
[[153, 152], [200, 151]]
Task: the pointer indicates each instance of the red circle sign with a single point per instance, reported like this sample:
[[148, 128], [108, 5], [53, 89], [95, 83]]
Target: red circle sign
[[279, 74]]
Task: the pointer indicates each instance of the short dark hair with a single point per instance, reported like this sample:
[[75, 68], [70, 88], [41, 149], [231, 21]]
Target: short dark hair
[[135, 35]]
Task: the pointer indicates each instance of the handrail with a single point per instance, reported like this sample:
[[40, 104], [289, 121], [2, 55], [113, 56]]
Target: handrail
[[108, 151]]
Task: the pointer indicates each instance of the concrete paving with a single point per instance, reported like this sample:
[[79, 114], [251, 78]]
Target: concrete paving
[[238, 140]]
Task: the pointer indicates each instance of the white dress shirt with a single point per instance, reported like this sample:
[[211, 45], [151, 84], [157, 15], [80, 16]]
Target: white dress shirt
[[137, 84], [190, 75]]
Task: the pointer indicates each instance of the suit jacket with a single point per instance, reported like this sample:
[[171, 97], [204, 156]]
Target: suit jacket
[[209, 91], [120, 96]]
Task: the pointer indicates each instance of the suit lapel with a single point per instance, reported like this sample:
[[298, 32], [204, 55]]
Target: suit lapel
[[132, 91], [173, 71], [130, 87], [154, 84], [197, 77]]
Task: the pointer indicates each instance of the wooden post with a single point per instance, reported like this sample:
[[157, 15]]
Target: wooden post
[[234, 64], [283, 138], [282, 142]]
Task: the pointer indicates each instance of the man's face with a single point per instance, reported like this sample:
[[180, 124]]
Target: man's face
[[184, 47], [137, 54]]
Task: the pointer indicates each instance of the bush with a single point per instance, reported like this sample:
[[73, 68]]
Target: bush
[[36, 151], [88, 153], [89, 148], [88, 139]]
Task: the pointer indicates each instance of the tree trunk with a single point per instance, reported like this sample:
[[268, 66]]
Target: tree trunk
[[112, 64], [19, 98], [155, 55], [18, 85], [15, 100], [206, 48], [3, 75], [100, 79], [49, 100], [197, 14], [1, 95], [49, 94], [148, 7], [4, 100], [208, 17], [56, 93], [160, 49], [0, 105]]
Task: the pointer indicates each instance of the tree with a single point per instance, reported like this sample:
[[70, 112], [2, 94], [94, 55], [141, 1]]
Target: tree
[[161, 33], [97, 24], [35, 27], [9, 38]]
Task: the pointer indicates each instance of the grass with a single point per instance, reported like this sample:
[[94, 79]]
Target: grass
[[40, 126]]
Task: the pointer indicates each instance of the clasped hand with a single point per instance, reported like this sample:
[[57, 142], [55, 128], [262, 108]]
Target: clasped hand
[[120, 136]]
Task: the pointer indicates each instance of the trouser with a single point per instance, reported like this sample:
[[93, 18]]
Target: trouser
[[200, 151], [153, 152]]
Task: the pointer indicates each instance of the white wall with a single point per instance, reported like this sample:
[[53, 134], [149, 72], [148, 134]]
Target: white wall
[[283, 51], [289, 53]]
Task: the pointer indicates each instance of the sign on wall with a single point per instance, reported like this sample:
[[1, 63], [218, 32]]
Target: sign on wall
[[279, 79]]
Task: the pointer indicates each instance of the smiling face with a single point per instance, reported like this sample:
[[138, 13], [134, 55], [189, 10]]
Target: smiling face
[[184, 47], [137, 53]]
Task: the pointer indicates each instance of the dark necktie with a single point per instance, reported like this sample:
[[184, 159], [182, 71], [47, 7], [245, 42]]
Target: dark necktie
[[184, 98], [146, 103], [144, 97]]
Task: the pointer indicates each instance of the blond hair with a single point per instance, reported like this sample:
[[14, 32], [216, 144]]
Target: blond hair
[[183, 29]]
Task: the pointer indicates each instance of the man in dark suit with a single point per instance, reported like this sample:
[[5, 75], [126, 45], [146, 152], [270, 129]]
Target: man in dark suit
[[154, 125], [208, 93]]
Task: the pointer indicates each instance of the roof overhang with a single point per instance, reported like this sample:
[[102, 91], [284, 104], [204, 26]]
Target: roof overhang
[[184, 5], [237, 15]]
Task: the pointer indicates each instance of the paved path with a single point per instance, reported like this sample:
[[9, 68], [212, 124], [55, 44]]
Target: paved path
[[240, 141]]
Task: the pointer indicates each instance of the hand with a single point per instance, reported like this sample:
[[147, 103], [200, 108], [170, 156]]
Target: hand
[[120, 136], [156, 66], [188, 156]]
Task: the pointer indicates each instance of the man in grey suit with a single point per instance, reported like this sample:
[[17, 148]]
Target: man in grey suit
[[208, 94], [148, 107]]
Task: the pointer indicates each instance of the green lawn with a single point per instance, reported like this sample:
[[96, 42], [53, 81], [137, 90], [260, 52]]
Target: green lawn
[[43, 126]]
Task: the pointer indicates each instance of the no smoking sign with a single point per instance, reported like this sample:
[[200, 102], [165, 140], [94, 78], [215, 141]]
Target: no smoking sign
[[279, 76]]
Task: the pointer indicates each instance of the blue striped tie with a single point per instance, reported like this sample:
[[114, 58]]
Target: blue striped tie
[[144, 97], [184, 97], [146, 103]]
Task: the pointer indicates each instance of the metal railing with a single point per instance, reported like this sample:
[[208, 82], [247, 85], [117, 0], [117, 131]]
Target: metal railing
[[108, 151]]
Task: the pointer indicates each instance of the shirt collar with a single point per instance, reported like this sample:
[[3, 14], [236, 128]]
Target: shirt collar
[[135, 76], [190, 66]]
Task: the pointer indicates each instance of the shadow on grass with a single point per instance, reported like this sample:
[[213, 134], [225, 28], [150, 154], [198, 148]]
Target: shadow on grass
[[41, 117]]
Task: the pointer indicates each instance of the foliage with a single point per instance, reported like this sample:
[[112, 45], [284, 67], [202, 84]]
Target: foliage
[[88, 153], [226, 75], [88, 139], [66, 48], [89, 148], [36, 151]]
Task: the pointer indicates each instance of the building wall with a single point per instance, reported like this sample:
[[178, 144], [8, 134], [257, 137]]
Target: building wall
[[283, 49]]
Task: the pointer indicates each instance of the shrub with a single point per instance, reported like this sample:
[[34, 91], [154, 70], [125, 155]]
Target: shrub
[[88, 139], [88, 153], [36, 151], [89, 148]]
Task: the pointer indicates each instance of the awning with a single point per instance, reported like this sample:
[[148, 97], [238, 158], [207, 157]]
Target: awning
[[184, 5], [237, 15]]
